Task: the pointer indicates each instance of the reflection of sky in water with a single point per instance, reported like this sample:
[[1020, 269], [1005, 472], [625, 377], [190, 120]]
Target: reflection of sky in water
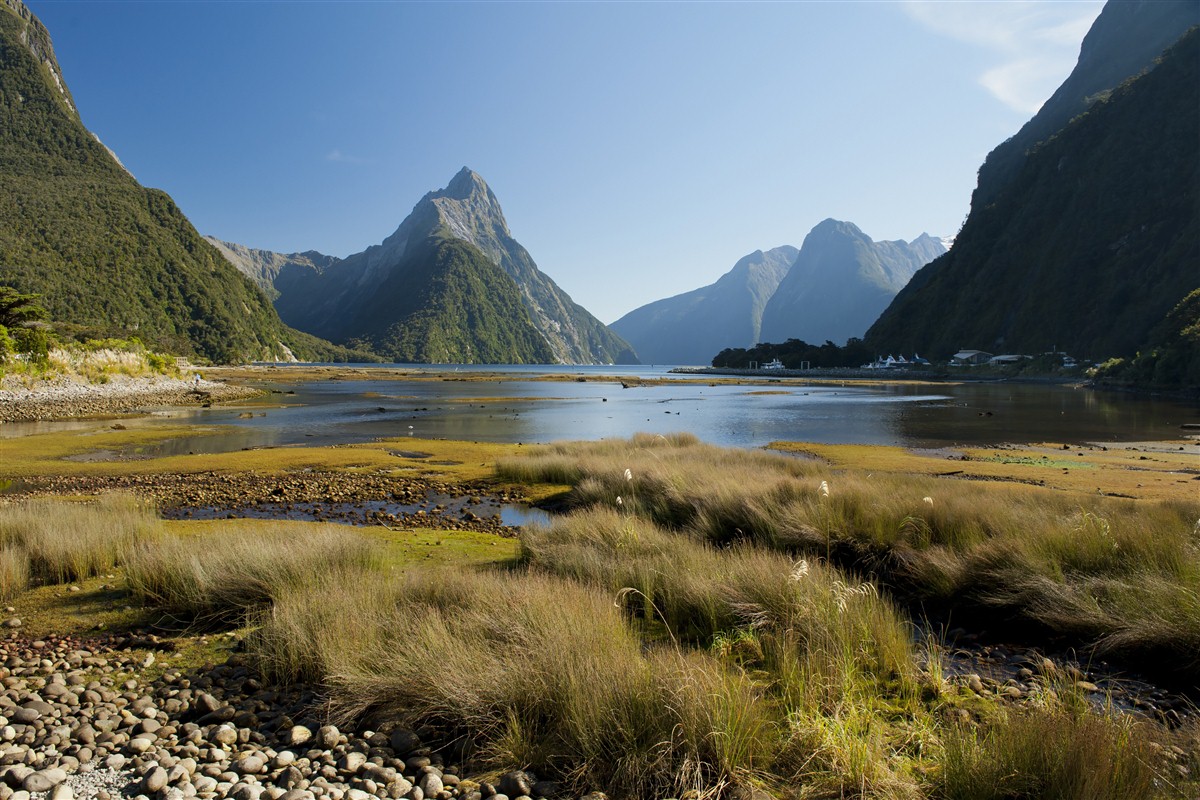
[[330, 412]]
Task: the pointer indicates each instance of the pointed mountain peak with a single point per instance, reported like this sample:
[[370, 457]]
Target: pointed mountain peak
[[470, 210], [466, 183]]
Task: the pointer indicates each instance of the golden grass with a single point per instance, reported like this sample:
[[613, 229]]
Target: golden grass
[[73, 541], [218, 582], [1135, 473], [1118, 575], [682, 648], [532, 669], [1060, 754]]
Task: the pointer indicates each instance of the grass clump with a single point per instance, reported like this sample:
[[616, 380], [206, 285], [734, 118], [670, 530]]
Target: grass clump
[[195, 579], [794, 611], [1056, 753], [14, 572], [64, 541], [1119, 577], [524, 669]]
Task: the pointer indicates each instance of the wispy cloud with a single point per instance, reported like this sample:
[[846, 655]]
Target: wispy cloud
[[339, 157], [1035, 43]]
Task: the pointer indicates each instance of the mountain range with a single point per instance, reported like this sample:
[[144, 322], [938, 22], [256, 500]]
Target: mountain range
[[831, 288], [1085, 240], [690, 327], [107, 255], [450, 285]]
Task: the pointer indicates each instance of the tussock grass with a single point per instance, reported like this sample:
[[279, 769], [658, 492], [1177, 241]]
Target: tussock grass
[[1120, 576], [1055, 753], [530, 670], [73, 541], [795, 611], [197, 579], [14, 572]]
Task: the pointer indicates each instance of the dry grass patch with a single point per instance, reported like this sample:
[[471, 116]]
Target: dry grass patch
[[218, 582], [1058, 753], [73, 541], [1118, 575], [523, 670]]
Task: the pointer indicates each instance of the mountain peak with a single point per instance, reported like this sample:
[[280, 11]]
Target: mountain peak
[[466, 183], [470, 210], [836, 226]]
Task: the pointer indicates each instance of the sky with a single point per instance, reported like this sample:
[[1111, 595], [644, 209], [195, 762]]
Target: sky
[[639, 149]]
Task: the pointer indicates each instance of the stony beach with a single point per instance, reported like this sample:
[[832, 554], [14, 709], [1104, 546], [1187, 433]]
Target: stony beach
[[79, 719], [62, 398]]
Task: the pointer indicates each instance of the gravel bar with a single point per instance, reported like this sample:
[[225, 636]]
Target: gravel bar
[[63, 399]]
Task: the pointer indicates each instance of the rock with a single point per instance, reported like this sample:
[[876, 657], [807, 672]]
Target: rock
[[61, 792], [206, 703], [26, 716], [299, 735], [225, 735], [250, 765], [328, 736], [13, 622], [549, 789], [140, 745], [44, 780], [516, 783], [352, 762], [1087, 686], [404, 742], [296, 794], [155, 780], [246, 791], [290, 778], [430, 783], [975, 683]]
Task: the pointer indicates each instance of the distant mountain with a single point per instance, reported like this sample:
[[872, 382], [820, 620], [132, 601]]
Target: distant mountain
[[689, 328], [366, 299], [840, 281], [103, 251], [1123, 42], [1094, 238], [264, 267]]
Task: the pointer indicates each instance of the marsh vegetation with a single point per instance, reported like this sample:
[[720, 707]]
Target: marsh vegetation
[[699, 620]]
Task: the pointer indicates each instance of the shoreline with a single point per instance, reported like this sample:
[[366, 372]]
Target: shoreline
[[62, 398]]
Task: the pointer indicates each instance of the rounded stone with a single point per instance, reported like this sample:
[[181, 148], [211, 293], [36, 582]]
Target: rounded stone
[[299, 735], [155, 780], [328, 736], [250, 765]]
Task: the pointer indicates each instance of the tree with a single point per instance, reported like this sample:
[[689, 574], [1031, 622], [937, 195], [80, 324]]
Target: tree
[[19, 310]]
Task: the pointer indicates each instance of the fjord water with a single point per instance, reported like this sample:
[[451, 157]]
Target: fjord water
[[509, 404]]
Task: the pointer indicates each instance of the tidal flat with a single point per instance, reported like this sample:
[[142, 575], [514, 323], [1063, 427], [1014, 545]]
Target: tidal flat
[[808, 620]]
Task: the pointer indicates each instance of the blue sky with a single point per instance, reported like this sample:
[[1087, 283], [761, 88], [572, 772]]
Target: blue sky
[[638, 149]]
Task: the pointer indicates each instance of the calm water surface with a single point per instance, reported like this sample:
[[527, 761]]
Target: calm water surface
[[510, 406]]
